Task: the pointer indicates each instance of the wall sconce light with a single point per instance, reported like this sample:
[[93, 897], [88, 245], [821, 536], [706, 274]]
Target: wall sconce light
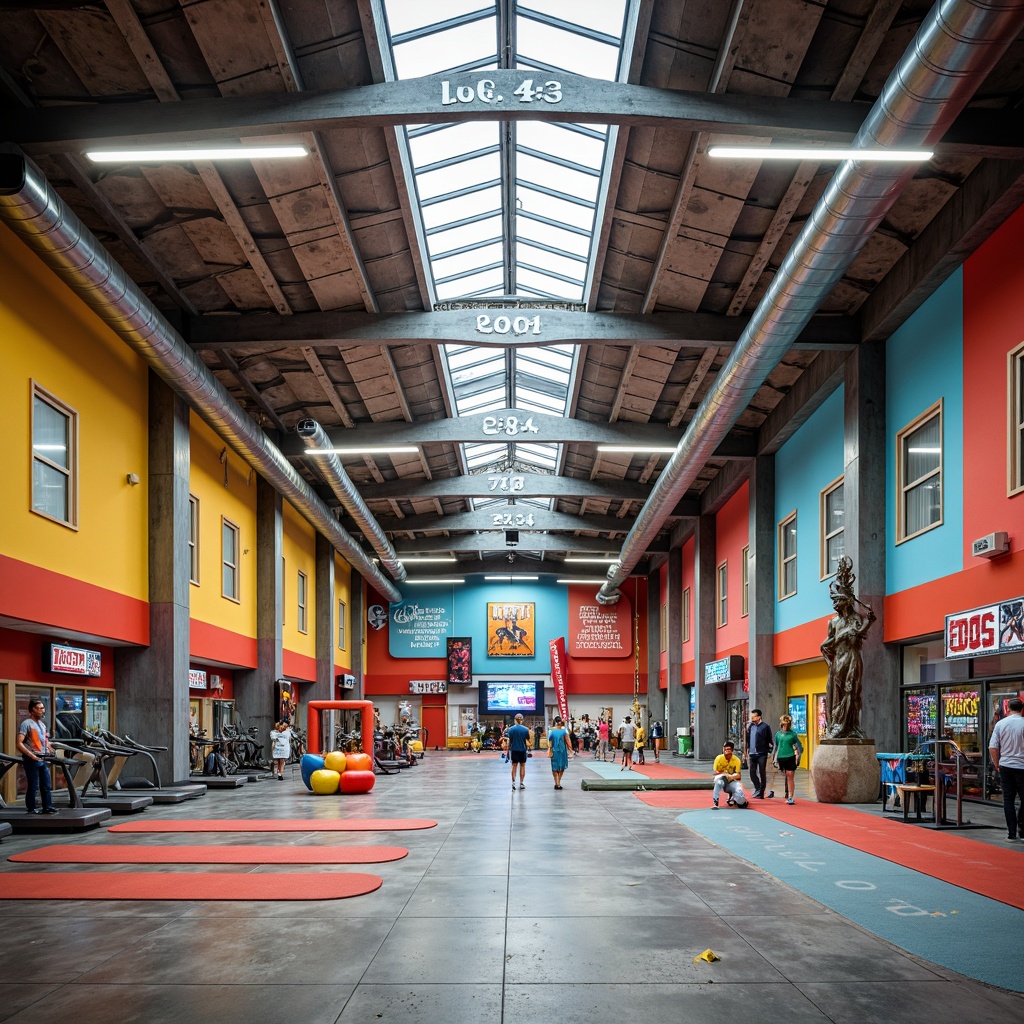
[[133, 479]]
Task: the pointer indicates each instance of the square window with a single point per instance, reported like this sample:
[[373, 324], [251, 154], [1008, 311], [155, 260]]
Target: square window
[[302, 596], [54, 458], [193, 539], [342, 642], [833, 523], [722, 588], [919, 475], [230, 548]]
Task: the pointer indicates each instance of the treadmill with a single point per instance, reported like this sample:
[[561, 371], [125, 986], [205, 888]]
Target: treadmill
[[75, 818]]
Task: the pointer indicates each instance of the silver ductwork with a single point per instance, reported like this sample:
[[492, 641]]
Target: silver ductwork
[[956, 47], [40, 218], [314, 436]]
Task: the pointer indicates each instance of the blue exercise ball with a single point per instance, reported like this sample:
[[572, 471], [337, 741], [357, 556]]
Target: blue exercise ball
[[310, 763]]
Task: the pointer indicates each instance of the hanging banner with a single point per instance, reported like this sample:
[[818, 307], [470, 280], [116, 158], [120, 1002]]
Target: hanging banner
[[599, 631], [559, 671]]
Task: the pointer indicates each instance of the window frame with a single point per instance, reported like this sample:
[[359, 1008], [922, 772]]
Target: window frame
[[342, 631], [903, 489], [235, 566], [193, 539], [722, 594], [686, 615], [1015, 421], [71, 472], [825, 537], [784, 559], [302, 602], [745, 581]]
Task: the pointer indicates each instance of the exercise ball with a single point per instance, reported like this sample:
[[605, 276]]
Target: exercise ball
[[310, 763], [324, 782], [357, 761], [355, 781], [335, 761]]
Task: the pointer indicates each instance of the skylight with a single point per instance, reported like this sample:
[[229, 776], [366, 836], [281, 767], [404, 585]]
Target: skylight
[[467, 175]]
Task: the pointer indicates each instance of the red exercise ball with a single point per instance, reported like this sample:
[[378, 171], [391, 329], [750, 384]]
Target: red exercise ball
[[356, 781]]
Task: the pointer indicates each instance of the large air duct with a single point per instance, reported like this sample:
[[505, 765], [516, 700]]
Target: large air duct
[[314, 436], [34, 211], [955, 48]]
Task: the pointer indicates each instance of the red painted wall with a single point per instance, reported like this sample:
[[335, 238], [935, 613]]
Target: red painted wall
[[21, 659], [732, 530], [213, 643], [993, 325]]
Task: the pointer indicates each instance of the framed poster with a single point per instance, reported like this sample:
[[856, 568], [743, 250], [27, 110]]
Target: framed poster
[[460, 660], [510, 630]]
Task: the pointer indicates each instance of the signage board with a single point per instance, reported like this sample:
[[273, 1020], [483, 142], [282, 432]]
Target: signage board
[[428, 685], [992, 629], [724, 670], [71, 661], [196, 679]]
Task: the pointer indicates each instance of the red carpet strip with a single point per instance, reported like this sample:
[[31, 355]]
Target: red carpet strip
[[74, 853], [678, 799], [275, 825], [661, 770], [116, 885]]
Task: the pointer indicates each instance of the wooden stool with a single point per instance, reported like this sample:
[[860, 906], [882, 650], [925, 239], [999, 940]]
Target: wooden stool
[[920, 797]]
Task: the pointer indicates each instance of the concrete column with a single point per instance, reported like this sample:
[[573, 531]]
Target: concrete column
[[711, 716], [655, 695], [357, 629], [677, 707], [255, 691], [767, 683], [326, 624], [864, 495], [152, 682]]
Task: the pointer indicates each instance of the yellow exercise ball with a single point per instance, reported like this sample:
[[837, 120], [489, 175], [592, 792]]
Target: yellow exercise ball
[[324, 782], [335, 761]]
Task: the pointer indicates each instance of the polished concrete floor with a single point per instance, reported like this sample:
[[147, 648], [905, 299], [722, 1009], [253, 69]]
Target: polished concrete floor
[[529, 906]]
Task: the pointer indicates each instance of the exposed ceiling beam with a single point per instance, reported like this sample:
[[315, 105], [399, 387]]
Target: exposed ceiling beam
[[512, 517], [431, 100], [491, 542], [527, 326], [542, 428]]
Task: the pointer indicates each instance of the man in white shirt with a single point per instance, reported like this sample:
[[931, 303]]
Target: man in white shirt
[[1006, 752], [627, 740]]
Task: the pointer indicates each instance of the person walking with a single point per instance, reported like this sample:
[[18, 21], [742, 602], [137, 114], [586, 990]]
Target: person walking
[[658, 736], [627, 741], [759, 746], [727, 769], [559, 751], [641, 737], [1006, 752], [518, 738], [281, 749], [788, 751], [602, 741], [34, 744]]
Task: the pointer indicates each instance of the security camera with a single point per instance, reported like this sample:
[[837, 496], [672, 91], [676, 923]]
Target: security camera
[[511, 557]]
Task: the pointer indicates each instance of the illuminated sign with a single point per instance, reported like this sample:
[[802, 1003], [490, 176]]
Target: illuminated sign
[[724, 670], [71, 661]]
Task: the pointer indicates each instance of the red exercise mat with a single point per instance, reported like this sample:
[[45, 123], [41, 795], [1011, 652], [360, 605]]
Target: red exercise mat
[[80, 853], [273, 825]]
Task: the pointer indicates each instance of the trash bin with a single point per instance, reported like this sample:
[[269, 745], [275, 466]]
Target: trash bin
[[685, 741]]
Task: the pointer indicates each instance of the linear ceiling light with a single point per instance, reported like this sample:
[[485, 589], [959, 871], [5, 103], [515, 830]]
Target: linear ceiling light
[[907, 156], [140, 156], [420, 559], [384, 450], [510, 577], [438, 579], [603, 560], [636, 449], [595, 579]]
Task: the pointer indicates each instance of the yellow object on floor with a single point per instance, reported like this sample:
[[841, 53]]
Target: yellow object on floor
[[707, 955]]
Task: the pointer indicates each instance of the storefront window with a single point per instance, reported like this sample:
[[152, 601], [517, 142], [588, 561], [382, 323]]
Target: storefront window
[[97, 711], [736, 713], [69, 719], [961, 723], [920, 717], [819, 714], [926, 663]]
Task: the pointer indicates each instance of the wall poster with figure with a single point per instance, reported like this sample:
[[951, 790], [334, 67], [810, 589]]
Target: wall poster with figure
[[460, 660], [510, 630]]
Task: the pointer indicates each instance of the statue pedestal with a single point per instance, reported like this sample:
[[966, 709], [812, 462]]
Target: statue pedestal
[[845, 771]]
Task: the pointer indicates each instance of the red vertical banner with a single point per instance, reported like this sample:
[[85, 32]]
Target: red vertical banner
[[559, 670]]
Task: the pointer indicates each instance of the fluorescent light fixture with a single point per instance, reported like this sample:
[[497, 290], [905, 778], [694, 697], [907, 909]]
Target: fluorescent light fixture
[[603, 560], [924, 451], [439, 579], [383, 450], [598, 579], [637, 449], [420, 559], [904, 156], [511, 576], [170, 154]]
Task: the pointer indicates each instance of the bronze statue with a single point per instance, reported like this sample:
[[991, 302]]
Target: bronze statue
[[841, 649]]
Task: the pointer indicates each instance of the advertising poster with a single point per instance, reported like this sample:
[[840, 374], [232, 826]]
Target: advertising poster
[[420, 628], [599, 631], [460, 660], [511, 630]]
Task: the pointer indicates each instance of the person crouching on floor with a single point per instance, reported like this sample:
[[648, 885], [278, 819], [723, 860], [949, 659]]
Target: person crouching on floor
[[727, 777]]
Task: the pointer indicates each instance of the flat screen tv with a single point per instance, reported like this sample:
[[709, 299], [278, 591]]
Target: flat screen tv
[[510, 698]]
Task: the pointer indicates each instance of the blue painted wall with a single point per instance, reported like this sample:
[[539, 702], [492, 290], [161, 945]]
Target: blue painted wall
[[804, 466], [924, 363]]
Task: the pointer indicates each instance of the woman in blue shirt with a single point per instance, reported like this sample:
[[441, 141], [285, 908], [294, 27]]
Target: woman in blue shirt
[[558, 751]]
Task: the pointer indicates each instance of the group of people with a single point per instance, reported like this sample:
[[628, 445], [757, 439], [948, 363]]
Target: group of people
[[785, 749], [518, 741]]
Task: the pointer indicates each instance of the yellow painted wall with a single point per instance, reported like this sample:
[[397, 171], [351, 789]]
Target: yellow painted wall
[[298, 546], [236, 502], [48, 335], [806, 680], [346, 656]]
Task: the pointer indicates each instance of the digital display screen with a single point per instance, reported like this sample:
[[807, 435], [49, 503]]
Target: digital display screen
[[510, 698]]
